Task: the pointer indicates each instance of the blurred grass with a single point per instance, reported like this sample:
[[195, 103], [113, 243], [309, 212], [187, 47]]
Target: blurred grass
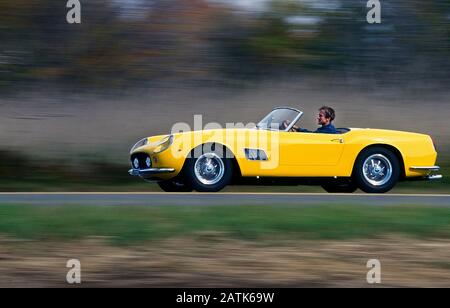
[[124, 225]]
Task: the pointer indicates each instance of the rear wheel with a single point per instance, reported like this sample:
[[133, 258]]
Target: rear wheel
[[210, 172], [377, 170]]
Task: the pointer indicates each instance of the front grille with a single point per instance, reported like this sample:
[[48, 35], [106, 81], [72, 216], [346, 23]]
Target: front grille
[[142, 159]]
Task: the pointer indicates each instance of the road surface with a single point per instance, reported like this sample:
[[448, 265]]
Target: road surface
[[231, 199]]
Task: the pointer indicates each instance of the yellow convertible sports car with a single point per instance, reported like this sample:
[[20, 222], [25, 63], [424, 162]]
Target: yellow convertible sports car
[[373, 160]]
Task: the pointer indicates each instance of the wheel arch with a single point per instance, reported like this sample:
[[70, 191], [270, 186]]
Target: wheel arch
[[389, 147], [229, 154]]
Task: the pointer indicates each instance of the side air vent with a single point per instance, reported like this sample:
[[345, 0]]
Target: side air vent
[[255, 154]]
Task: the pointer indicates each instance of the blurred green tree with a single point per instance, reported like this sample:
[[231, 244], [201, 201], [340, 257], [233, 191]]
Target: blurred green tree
[[170, 40]]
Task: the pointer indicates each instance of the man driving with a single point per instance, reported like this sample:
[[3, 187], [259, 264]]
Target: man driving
[[324, 119]]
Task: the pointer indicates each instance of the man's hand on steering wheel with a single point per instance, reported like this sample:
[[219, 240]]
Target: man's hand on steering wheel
[[286, 124], [294, 129]]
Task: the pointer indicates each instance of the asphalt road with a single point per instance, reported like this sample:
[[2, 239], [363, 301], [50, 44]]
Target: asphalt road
[[231, 199]]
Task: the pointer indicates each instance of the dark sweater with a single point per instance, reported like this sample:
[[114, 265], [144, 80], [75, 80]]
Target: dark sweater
[[329, 129]]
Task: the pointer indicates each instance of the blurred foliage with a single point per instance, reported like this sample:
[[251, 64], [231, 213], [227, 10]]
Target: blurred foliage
[[19, 172], [130, 225], [205, 40]]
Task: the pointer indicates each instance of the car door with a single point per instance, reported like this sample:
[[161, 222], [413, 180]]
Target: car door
[[310, 149]]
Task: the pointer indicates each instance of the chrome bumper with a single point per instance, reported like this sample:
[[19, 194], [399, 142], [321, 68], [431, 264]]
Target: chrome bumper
[[434, 177], [429, 170], [150, 171]]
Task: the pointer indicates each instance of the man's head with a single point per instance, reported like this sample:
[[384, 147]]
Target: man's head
[[326, 115]]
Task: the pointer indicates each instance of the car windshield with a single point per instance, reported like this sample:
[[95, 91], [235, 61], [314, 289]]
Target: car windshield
[[280, 119]]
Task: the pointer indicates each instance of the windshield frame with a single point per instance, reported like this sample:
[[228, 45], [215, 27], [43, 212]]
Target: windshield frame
[[296, 119]]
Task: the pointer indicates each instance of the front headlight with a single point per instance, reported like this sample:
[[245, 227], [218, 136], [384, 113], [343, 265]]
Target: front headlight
[[139, 144], [163, 144]]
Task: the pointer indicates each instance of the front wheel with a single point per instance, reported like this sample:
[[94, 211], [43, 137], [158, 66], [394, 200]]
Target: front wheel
[[209, 172], [377, 170]]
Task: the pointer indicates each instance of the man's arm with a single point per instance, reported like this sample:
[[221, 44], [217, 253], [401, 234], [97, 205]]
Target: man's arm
[[326, 130]]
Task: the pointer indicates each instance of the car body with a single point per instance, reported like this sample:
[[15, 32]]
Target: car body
[[207, 160]]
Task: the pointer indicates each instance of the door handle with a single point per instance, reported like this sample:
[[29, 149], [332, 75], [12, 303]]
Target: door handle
[[340, 140]]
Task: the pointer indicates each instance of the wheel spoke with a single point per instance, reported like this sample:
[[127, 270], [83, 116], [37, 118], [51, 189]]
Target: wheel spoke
[[209, 169], [377, 170]]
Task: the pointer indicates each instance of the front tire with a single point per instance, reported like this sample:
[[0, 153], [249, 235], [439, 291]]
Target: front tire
[[377, 170], [210, 172]]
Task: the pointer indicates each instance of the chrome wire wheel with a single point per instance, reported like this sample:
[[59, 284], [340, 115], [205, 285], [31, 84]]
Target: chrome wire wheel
[[377, 170], [209, 169]]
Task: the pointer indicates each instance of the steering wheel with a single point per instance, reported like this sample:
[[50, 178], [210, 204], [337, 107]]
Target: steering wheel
[[286, 124]]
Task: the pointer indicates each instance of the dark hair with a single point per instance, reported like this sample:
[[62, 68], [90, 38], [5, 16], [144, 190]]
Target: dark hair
[[329, 112]]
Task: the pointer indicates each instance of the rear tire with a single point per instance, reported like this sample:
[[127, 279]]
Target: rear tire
[[377, 170]]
